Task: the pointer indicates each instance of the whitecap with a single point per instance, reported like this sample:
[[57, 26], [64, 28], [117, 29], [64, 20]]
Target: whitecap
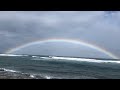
[[86, 60], [47, 77], [9, 70], [32, 76], [78, 59], [11, 55], [34, 56]]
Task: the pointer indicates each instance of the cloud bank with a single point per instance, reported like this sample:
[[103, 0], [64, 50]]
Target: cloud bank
[[98, 27]]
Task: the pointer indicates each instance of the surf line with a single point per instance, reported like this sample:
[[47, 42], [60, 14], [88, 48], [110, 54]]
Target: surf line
[[79, 42]]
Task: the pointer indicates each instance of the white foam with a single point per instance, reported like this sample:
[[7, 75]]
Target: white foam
[[34, 56], [47, 77], [32, 76], [11, 55], [8, 70], [78, 59], [86, 60], [46, 57]]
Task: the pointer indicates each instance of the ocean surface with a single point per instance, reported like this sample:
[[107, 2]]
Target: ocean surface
[[56, 67]]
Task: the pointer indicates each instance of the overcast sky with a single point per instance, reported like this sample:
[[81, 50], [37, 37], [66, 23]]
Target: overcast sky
[[97, 27]]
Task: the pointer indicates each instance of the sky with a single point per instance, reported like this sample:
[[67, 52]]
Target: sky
[[101, 28]]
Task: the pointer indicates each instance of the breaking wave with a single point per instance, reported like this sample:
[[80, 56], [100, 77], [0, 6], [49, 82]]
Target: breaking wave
[[78, 59], [87, 60], [7, 70], [12, 74], [11, 55], [37, 57]]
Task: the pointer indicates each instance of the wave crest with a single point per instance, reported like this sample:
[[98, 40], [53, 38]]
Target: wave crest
[[78, 59], [11, 55]]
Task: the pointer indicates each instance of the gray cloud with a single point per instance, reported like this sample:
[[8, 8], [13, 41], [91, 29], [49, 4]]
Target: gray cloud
[[19, 27]]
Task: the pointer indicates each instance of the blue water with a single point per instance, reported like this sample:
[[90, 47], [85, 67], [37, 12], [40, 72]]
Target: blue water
[[48, 67]]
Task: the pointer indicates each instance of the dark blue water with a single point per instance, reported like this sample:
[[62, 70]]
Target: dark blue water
[[46, 67]]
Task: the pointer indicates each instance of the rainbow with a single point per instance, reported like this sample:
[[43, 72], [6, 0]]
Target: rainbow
[[79, 42]]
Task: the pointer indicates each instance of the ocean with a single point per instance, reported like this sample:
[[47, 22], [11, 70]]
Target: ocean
[[57, 67]]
